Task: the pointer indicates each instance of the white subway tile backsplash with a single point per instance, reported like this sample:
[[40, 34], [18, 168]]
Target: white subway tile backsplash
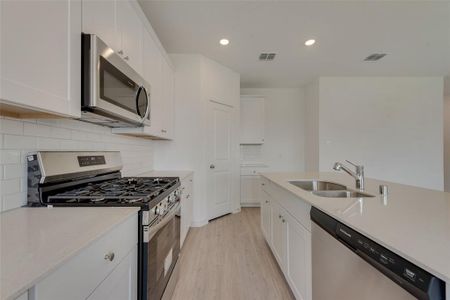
[[34, 129], [20, 137], [47, 144], [9, 157], [11, 126], [14, 200], [61, 133], [10, 186], [13, 171], [19, 142]]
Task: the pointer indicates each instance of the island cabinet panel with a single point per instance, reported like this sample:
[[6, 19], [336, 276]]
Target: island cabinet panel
[[286, 217]]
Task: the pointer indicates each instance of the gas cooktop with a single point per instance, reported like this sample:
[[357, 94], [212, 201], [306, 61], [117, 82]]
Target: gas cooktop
[[125, 190]]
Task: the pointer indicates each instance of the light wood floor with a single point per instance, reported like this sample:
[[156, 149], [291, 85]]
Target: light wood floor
[[229, 259]]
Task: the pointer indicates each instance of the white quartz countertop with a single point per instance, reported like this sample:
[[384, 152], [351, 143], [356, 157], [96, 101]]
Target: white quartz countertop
[[412, 222], [156, 173], [35, 241]]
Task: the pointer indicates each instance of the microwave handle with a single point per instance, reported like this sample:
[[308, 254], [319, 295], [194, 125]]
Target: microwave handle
[[147, 112]]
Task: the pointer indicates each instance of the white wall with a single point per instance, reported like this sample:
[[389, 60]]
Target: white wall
[[312, 126], [18, 137], [193, 86], [283, 148], [391, 125], [447, 143]]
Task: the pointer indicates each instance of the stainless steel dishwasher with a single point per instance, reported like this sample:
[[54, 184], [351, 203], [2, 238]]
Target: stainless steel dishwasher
[[347, 265]]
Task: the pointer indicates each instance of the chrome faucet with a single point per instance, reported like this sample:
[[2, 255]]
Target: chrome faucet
[[358, 174]]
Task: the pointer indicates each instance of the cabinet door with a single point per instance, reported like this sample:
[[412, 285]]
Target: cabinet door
[[130, 28], [41, 55], [121, 284], [99, 17], [252, 120], [266, 218], [250, 190], [168, 96], [153, 74], [278, 234], [298, 263]]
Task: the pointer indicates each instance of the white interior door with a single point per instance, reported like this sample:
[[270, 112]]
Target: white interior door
[[220, 160]]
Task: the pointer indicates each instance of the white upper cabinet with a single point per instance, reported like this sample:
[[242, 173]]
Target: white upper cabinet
[[99, 18], [118, 25], [252, 120], [168, 99], [153, 61], [130, 30], [41, 55]]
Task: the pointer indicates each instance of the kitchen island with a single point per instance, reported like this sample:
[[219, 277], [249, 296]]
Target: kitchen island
[[412, 222]]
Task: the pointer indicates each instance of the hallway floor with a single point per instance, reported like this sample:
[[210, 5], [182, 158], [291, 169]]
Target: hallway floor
[[229, 259]]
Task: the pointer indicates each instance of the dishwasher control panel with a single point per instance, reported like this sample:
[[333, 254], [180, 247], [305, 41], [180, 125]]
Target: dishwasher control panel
[[384, 257]]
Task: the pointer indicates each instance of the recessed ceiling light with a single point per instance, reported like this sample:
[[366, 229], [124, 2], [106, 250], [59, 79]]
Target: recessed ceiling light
[[224, 42], [310, 42]]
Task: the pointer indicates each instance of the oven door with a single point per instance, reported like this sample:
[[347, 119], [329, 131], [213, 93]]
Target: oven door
[[110, 86], [162, 251]]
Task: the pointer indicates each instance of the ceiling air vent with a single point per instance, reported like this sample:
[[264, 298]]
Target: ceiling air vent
[[375, 57], [267, 56]]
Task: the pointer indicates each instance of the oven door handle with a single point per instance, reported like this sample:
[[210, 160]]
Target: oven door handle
[[154, 229]]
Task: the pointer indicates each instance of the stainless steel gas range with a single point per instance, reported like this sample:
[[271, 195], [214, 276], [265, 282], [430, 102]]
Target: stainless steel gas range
[[94, 179]]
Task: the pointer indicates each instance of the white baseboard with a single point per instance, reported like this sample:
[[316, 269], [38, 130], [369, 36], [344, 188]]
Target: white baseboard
[[237, 210], [200, 223], [257, 204]]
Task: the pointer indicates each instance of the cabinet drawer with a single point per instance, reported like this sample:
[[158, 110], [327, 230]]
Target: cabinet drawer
[[79, 277]]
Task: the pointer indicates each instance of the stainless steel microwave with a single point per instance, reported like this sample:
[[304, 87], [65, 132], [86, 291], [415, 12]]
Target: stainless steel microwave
[[113, 94]]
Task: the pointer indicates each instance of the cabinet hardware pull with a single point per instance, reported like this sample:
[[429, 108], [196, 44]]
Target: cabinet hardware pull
[[120, 52], [283, 220], [126, 58], [279, 216], [163, 130], [267, 201], [109, 256]]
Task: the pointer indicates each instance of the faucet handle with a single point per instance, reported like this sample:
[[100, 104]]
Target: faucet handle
[[353, 164]]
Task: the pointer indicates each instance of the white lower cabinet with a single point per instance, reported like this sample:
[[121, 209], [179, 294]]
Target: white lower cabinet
[[187, 206], [96, 269], [266, 218], [121, 284], [298, 258], [278, 234], [289, 239], [249, 190]]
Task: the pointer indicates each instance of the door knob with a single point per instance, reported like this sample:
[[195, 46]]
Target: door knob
[[212, 166]]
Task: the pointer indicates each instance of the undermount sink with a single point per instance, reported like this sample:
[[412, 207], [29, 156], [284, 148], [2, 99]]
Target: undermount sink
[[341, 194], [328, 189], [317, 185]]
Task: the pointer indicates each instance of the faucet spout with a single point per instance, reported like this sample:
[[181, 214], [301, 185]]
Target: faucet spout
[[358, 175]]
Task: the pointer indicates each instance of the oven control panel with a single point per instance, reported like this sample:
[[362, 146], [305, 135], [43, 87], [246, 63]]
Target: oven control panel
[[164, 206]]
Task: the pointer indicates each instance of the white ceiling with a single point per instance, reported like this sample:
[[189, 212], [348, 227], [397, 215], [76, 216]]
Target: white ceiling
[[415, 35]]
